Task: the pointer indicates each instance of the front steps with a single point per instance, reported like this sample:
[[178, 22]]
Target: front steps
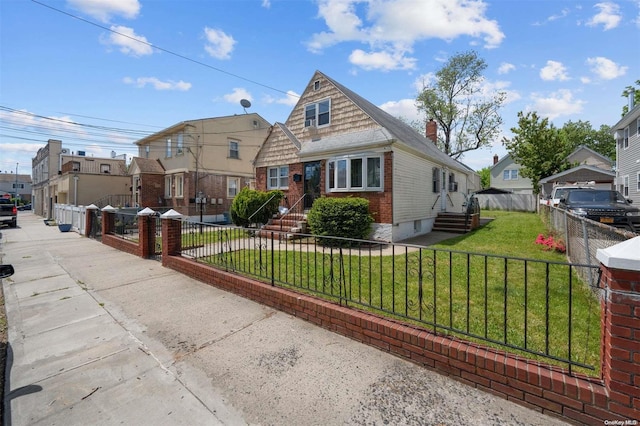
[[285, 228], [455, 222]]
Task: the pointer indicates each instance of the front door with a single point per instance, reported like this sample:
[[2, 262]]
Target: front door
[[311, 183]]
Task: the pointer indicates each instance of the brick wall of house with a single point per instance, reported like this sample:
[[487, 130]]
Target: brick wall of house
[[295, 190], [380, 203], [152, 190]]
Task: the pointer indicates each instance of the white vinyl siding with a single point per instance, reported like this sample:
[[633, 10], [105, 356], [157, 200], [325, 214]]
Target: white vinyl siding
[[627, 161], [412, 192]]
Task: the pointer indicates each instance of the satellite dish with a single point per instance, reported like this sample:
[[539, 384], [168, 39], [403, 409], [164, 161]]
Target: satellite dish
[[245, 104]]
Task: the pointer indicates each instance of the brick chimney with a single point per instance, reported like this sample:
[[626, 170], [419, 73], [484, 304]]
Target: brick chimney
[[432, 130], [495, 159]]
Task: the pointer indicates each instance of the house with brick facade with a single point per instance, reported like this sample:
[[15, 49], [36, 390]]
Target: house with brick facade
[[197, 166], [335, 143]]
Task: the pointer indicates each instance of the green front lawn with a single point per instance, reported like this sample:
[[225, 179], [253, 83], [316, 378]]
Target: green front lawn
[[453, 285]]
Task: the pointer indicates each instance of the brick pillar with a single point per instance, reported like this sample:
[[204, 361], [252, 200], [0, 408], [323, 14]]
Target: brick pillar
[[108, 220], [90, 218], [171, 234], [146, 232], [621, 327]]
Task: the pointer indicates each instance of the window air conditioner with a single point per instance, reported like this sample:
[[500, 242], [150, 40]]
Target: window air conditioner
[[310, 123]]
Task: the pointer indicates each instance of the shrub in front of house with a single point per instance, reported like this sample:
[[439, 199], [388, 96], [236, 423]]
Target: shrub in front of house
[[248, 201], [340, 217]]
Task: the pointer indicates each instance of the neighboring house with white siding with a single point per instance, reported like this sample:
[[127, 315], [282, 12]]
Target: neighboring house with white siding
[[627, 134], [335, 143], [590, 168], [505, 175]]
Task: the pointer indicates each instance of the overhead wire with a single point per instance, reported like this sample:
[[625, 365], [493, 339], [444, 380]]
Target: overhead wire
[[186, 58]]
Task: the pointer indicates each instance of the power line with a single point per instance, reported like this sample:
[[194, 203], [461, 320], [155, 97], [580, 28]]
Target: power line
[[186, 58]]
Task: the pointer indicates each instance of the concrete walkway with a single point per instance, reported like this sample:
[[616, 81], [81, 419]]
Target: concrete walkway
[[97, 336]]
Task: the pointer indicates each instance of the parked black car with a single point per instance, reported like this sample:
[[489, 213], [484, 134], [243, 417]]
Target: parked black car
[[604, 206]]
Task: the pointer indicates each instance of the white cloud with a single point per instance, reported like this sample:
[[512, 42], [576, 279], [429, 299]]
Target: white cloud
[[103, 10], [219, 45], [266, 4], [556, 104], [385, 61], [505, 68], [564, 13], [158, 84], [609, 16], [127, 41], [554, 71], [405, 108], [605, 68], [237, 95], [290, 99], [391, 28]]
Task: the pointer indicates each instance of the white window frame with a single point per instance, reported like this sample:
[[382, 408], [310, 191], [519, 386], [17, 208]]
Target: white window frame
[[340, 178], [234, 149], [233, 186], [167, 186], [278, 177], [105, 168], [510, 174], [625, 138], [313, 119], [180, 144], [435, 180], [178, 181], [168, 150], [625, 186]]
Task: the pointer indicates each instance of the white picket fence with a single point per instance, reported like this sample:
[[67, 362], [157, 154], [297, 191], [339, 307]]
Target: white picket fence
[[75, 215]]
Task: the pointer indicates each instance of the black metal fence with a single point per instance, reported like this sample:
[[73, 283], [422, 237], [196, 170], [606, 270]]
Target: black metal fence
[[536, 308]]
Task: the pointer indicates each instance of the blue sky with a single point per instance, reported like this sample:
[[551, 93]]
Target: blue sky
[[73, 70]]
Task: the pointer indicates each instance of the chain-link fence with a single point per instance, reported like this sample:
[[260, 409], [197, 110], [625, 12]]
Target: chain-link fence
[[583, 237]]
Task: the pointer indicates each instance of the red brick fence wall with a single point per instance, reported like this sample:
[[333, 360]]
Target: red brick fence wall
[[549, 389]]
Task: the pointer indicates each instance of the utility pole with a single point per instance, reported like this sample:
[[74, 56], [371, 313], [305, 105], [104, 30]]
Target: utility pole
[[15, 201]]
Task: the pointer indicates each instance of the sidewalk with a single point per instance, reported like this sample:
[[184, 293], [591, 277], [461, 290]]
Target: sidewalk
[[97, 336]]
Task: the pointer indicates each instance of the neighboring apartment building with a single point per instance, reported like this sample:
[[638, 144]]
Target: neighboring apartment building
[[44, 166], [198, 166], [86, 180], [61, 176], [505, 175], [335, 143], [19, 185], [627, 134]]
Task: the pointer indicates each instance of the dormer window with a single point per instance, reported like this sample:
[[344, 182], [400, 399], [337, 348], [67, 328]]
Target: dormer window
[[317, 114]]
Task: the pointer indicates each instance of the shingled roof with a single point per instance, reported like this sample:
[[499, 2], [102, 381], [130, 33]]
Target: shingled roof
[[402, 132]]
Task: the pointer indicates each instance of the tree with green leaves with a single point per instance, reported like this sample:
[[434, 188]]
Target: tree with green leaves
[[485, 177], [467, 118], [636, 96], [539, 147], [581, 133]]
